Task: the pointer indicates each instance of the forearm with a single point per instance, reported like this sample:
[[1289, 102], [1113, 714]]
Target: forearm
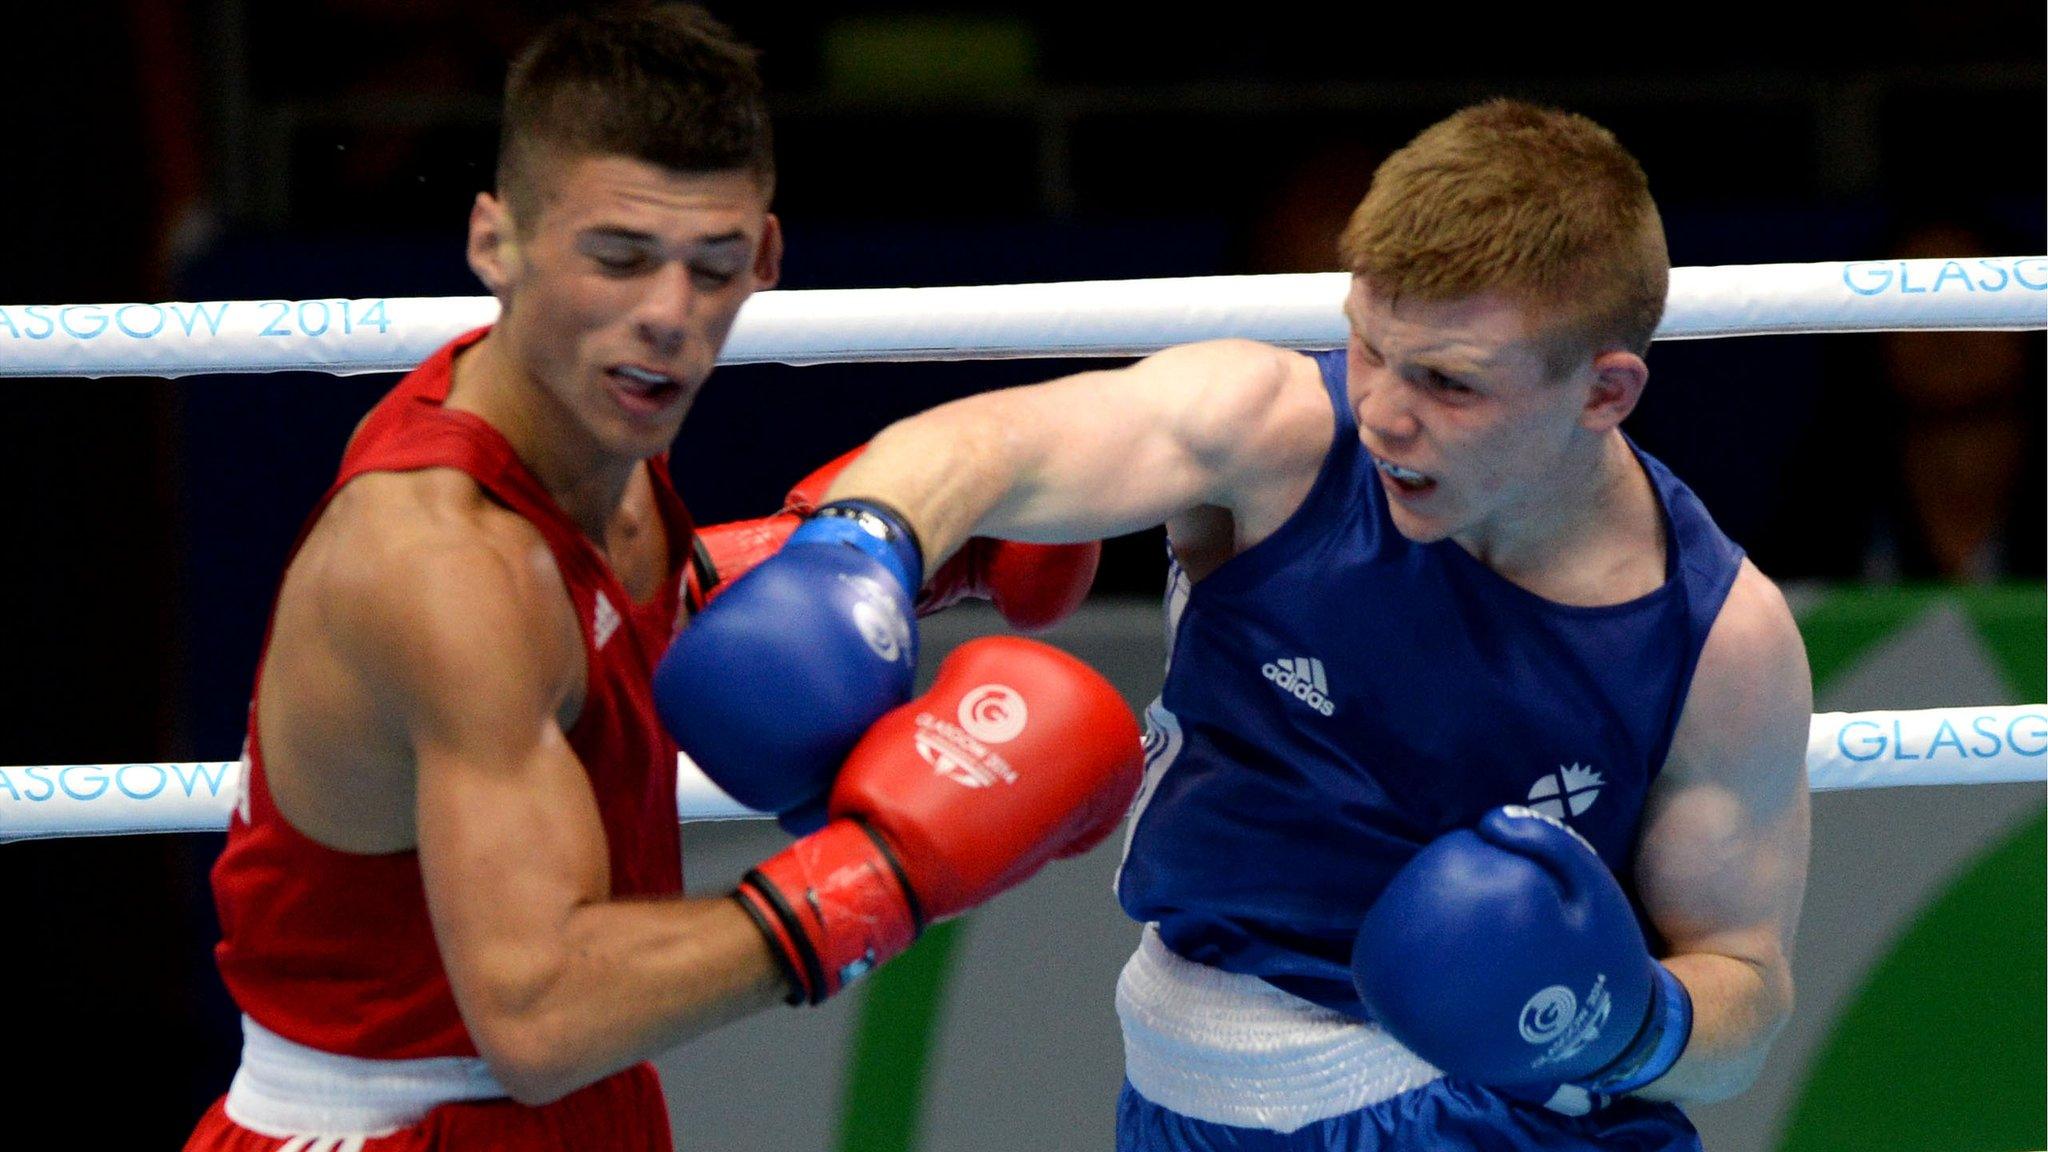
[[1739, 1007], [621, 982], [944, 470], [1083, 457]]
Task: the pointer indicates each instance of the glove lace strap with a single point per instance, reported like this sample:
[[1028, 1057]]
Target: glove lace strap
[[833, 905]]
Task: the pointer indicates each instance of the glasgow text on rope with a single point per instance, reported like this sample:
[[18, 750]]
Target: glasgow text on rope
[[2025, 734], [274, 318], [85, 783], [1913, 277]]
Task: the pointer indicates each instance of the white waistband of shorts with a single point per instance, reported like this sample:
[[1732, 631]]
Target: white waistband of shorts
[[286, 1089], [1232, 1049]]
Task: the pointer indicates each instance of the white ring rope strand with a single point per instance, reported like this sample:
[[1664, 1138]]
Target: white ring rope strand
[[55, 800], [1996, 744], [1098, 318]]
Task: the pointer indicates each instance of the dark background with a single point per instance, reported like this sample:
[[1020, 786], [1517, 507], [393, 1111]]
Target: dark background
[[156, 150]]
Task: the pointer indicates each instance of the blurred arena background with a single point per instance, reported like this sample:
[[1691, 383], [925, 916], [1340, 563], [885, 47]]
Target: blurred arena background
[[225, 149]]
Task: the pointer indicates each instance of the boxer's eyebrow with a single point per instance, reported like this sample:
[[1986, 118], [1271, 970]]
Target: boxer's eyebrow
[[640, 236], [616, 238]]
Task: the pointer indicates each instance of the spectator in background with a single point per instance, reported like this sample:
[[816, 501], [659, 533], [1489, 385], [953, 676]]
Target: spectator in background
[[402, 121], [1926, 461], [1296, 228], [1967, 503]]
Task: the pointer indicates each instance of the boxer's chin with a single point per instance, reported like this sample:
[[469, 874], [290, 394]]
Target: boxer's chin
[[1421, 516]]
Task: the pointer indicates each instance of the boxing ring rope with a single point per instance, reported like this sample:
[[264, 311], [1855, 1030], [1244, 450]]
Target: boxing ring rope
[[1105, 318], [1963, 745], [1990, 745]]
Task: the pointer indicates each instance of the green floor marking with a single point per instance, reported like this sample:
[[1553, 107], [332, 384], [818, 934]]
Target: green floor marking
[[1850, 622], [2013, 623], [893, 1041], [1933, 1055]]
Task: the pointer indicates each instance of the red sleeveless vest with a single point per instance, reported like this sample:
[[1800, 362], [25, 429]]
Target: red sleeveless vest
[[334, 950]]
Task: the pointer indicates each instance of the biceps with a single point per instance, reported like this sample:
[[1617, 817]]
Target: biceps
[[1107, 461], [1722, 872], [1137, 446], [509, 849]]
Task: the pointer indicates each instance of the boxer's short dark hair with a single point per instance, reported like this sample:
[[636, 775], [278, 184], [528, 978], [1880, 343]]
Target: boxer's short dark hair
[[664, 83]]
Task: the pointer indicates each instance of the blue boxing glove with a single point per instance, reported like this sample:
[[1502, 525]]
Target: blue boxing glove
[[1508, 955], [770, 686]]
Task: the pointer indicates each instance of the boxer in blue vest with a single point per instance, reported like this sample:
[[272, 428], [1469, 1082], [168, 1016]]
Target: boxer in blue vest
[[1475, 814]]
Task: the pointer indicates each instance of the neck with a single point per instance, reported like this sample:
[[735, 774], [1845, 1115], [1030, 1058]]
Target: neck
[[585, 482], [1579, 540]]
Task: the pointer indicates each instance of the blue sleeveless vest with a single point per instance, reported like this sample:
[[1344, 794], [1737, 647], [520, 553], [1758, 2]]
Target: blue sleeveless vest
[[1338, 695]]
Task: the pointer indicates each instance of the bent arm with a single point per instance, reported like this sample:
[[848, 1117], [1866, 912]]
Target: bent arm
[[558, 984], [1102, 453], [1721, 864]]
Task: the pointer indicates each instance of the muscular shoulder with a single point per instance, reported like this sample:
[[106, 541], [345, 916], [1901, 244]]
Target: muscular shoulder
[[1250, 404], [1751, 701], [408, 529], [1257, 422], [421, 575]]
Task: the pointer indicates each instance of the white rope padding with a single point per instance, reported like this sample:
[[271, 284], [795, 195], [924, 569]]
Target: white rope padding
[[1987, 745], [1967, 745], [1098, 318]]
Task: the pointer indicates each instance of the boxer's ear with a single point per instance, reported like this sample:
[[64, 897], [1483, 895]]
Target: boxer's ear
[[493, 243], [768, 257], [1615, 385]]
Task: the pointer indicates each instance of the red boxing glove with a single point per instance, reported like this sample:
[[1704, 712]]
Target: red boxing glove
[[731, 550], [1034, 586], [1018, 755]]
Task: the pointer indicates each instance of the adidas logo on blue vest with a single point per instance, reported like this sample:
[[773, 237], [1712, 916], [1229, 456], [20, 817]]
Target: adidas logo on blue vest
[[1302, 677]]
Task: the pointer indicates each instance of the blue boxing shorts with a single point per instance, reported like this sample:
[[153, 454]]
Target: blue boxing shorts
[[1219, 1061]]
